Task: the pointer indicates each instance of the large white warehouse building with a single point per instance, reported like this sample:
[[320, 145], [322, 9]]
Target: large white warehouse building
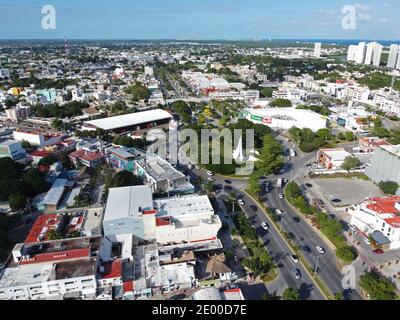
[[285, 118]]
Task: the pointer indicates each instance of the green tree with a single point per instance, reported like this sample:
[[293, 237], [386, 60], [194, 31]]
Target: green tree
[[350, 163], [341, 136], [349, 136], [339, 296], [346, 253], [125, 178], [389, 187], [17, 201], [271, 296], [34, 182], [281, 103], [378, 287], [139, 92], [290, 294]]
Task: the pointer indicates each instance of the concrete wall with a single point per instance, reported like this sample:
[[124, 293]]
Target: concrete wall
[[384, 167]]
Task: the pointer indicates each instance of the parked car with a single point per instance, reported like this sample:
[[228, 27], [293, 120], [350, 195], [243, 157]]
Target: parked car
[[281, 196], [265, 226], [296, 219], [352, 227], [210, 173], [308, 185], [320, 249], [367, 241], [241, 202], [211, 179], [378, 251], [336, 200], [296, 272], [278, 212], [294, 258]]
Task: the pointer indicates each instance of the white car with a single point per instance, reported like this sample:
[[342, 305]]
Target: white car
[[210, 173], [294, 258], [241, 202], [210, 179], [265, 226], [352, 227], [278, 212], [366, 240], [281, 196], [320, 249]]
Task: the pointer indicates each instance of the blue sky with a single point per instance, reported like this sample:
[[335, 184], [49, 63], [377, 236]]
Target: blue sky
[[200, 19]]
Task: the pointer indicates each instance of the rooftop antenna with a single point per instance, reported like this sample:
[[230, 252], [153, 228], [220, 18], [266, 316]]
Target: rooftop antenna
[[66, 48]]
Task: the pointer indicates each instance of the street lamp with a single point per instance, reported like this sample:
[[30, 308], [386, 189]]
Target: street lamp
[[316, 267]]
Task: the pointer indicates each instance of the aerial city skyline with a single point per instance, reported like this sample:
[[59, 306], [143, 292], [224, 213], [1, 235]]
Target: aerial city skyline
[[222, 19]]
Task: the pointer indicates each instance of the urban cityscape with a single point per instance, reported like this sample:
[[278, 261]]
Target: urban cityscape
[[199, 169]]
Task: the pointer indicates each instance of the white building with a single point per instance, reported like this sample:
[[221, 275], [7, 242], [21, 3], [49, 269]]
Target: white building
[[12, 149], [188, 218], [379, 218], [356, 93], [131, 212], [387, 102], [58, 270], [317, 50], [352, 53], [373, 54], [361, 50], [393, 56], [36, 138], [148, 71], [285, 118], [18, 112]]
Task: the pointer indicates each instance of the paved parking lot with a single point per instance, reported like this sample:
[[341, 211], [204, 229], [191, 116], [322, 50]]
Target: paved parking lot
[[349, 191]]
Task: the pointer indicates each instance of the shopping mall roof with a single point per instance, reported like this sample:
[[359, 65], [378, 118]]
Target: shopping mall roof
[[130, 119]]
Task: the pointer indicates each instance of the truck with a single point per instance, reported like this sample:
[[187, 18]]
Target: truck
[[279, 183]]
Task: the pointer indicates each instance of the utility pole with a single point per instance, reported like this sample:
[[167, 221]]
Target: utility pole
[[316, 267]]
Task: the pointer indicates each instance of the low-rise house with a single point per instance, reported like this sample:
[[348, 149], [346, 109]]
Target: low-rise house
[[332, 159], [379, 218]]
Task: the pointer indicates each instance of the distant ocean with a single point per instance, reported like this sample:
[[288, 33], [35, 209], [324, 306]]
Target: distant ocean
[[341, 42]]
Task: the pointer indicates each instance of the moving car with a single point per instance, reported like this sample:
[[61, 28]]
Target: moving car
[[278, 212], [210, 173], [296, 272], [281, 196], [320, 249], [367, 241], [307, 249], [211, 179], [378, 251], [336, 200], [296, 219], [294, 258], [241, 202], [265, 226]]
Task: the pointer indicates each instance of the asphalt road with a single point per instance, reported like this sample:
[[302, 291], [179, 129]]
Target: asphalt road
[[326, 264], [302, 233], [272, 241]]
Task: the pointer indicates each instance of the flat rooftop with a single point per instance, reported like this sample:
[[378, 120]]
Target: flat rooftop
[[43, 272], [128, 202], [183, 206], [131, 119], [395, 150], [54, 195]]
